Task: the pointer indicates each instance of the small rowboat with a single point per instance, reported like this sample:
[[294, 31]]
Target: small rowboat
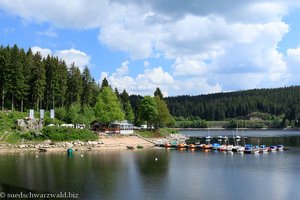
[[180, 146], [130, 147], [42, 149]]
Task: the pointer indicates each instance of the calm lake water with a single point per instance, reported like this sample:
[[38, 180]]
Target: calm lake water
[[175, 175]]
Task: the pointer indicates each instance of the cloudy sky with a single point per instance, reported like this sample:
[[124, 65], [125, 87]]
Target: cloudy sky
[[184, 47]]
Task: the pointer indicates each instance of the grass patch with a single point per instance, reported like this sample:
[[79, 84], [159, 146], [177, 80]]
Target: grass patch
[[8, 120], [13, 138], [163, 132]]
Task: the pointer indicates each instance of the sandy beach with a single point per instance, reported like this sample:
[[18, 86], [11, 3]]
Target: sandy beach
[[104, 143]]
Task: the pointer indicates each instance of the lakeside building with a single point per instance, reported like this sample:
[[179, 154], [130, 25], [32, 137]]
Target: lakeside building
[[116, 127], [124, 126]]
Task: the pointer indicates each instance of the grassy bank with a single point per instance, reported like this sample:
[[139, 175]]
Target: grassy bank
[[158, 133]]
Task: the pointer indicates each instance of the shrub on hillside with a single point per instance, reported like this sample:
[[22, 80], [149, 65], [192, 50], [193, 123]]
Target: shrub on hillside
[[67, 134]]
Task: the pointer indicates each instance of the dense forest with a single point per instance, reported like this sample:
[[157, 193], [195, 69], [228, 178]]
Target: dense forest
[[29, 81], [280, 101]]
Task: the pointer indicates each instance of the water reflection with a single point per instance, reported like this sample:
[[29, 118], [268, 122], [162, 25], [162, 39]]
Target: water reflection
[[175, 174], [152, 167]]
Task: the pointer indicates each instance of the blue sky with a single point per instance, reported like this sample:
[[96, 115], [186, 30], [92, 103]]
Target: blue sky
[[184, 47]]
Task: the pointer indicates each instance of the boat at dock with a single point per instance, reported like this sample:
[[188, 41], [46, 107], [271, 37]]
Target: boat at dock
[[130, 147], [280, 147]]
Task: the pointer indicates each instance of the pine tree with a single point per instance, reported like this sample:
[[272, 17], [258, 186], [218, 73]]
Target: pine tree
[[61, 92], [86, 98], [129, 115], [158, 93], [104, 83], [17, 86], [38, 82], [74, 85], [3, 74]]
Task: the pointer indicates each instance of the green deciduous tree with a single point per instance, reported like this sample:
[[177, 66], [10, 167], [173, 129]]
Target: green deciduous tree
[[163, 115], [148, 110], [108, 108]]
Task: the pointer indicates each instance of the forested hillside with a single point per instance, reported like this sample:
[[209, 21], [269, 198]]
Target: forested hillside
[[220, 106]]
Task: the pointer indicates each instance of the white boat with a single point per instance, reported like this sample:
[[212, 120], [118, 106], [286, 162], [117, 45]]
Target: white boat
[[280, 148], [229, 147]]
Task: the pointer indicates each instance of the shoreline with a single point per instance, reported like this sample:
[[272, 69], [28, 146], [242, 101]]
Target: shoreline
[[244, 129], [103, 143]]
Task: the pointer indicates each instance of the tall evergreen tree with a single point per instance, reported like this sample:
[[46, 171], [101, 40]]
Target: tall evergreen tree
[[17, 87], [25, 86], [74, 85], [38, 82], [158, 93], [3, 74], [129, 115], [104, 83], [61, 93], [86, 97]]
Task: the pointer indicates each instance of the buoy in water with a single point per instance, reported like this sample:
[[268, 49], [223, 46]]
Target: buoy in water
[[69, 151]]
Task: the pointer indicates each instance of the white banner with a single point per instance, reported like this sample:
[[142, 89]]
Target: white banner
[[52, 114], [31, 114], [42, 113]]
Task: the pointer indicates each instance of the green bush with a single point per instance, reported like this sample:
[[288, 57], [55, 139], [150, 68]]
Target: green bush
[[67, 134]]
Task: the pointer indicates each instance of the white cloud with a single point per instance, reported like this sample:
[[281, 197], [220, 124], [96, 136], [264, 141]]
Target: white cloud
[[145, 83], [43, 51], [293, 60], [191, 67], [214, 45], [70, 56], [49, 32]]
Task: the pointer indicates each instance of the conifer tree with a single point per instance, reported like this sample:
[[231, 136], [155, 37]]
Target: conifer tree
[[129, 115], [86, 97], [38, 82], [74, 85], [158, 93]]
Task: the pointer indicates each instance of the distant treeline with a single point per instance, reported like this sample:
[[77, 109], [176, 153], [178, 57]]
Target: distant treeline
[[281, 101]]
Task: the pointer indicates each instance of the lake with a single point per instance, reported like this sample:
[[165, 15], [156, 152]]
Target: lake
[[125, 174]]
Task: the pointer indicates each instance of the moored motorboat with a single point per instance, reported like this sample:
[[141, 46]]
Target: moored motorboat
[[229, 147], [240, 149], [181, 146], [222, 148], [272, 148], [280, 147], [248, 149], [168, 145], [215, 146], [263, 149], [130, 147]]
